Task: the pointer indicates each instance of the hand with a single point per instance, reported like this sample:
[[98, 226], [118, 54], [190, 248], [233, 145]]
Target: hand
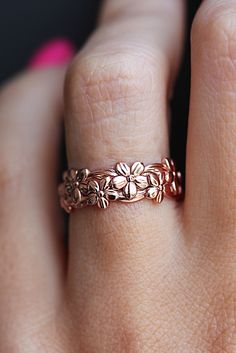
[[138, 277]]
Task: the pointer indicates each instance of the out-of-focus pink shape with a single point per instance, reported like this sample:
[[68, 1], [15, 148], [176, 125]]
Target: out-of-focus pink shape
[[55, 52]]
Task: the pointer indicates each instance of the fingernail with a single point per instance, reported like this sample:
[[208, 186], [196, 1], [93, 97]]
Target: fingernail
[[53, 53]]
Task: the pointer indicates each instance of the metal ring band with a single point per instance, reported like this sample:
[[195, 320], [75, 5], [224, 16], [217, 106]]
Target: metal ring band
[[124, 183]]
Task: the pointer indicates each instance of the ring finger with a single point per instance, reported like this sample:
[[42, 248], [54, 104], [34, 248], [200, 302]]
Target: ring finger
[[116, 110]]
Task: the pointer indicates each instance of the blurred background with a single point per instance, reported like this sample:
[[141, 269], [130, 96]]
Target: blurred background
[[26, 24]]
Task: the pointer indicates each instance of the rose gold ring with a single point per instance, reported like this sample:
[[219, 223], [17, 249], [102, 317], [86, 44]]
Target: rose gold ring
[[124, 183]]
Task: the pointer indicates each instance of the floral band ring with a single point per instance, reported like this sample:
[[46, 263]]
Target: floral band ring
[[124, 183]]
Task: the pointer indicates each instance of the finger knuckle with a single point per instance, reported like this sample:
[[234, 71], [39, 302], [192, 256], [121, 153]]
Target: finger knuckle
[[107, 86]]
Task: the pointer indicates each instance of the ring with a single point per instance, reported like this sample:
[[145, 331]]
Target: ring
[[124, 183]]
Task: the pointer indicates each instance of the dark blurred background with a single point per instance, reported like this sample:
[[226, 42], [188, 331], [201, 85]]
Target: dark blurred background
[[26, 24]]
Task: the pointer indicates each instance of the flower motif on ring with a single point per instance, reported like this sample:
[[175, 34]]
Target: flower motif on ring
[[156, 190], [172, 177], [72, 180], [100, 193], [130, 179]]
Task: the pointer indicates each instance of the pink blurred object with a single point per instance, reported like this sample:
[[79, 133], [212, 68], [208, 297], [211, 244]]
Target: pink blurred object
[[55, 52]]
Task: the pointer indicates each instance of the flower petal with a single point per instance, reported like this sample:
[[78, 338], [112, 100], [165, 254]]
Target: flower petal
[[168, 190], [92, 199], [104, 183], [130, 190], [166, 163], [119, 182], [179, 176], [103, 202], [151, 193], [73, 173], [77, 195], [112, 195], [169, 177], [83, 188], [159, 197], [137, 168], [111, 172], [162, 178], [83, 174], [93, 185], [141, 181], [153, 180], [169, 164], [174, 188], [68, 188], [123, 169]]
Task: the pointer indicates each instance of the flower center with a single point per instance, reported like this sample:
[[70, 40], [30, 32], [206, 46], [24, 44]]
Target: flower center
[[76, 184], [131, 178], [100, 193]]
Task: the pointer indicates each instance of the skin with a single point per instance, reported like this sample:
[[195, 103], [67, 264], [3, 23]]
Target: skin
[[136, 278]]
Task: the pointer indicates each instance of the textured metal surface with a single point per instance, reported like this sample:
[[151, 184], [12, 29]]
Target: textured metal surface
[[124, 183]]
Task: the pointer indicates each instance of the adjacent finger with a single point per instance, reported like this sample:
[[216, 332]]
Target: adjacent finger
[[211, 164], [31, 258]]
